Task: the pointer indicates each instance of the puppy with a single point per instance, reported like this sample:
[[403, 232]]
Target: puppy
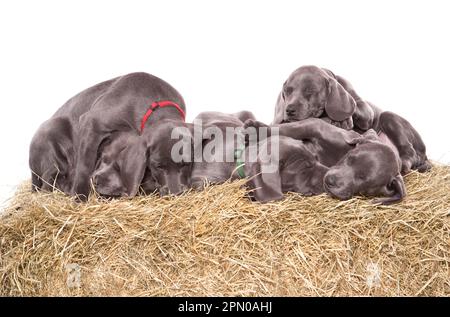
[[313, 92], [273, 166], [358, 164]]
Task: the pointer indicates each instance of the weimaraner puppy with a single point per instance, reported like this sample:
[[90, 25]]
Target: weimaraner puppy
[[137, 103], [297, 169], [313, 92], [51, 157], [113, 175], [359, 164]]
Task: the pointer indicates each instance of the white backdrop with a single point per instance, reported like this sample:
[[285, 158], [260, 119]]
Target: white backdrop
[[221, 55]]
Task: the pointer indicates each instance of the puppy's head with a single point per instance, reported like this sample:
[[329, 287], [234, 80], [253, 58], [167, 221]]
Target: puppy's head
[[300, 170], [51, 156], [371, 168], [170, 148], [296, 170], [311, 92], [121, 165]]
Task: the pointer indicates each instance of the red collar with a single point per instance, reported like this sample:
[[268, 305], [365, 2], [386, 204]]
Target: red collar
[[161, 104]]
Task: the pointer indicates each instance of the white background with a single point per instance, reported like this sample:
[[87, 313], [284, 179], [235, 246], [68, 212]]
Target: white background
[[221, 55]]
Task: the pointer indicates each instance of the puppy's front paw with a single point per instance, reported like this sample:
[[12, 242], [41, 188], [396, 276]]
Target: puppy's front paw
[[251, 123], [346, 124], [254, 130]]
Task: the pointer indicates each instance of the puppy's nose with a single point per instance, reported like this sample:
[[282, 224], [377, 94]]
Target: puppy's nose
[[290, 110], [331, 180], [179, 192], [164, 191]]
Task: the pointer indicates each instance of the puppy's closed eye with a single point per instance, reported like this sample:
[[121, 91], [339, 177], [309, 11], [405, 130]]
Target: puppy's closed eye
[[308, 164], [308, 92], [116, 166], [351, 160], [287, 91]]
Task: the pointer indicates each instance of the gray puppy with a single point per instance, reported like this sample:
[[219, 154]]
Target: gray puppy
[[359, 164], [115, 170], [313, 92], [137, 103], [296, 170], [52, 157]]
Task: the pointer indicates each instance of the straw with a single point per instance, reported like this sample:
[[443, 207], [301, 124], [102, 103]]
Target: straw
[[218, 243]]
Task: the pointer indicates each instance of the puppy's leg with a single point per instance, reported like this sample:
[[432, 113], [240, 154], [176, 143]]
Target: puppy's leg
[[36, 182], [252, 126], [364, 115], [403, 136], [244, 115], [347, 124]]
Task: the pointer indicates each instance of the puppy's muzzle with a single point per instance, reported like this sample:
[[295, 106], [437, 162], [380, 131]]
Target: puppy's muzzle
[[291, 111]]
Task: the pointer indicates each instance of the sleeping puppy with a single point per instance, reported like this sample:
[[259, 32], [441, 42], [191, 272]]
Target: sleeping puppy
[[137, 103], [296, 169], [293, 168], [51, 156], [313, 92], [407, 142], [118, 169], [359, 164], [371, 168]]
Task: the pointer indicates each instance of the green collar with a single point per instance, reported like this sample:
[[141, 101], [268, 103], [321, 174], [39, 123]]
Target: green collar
[[239, 162]]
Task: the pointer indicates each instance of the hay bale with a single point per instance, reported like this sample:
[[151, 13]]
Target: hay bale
[[216, 242]]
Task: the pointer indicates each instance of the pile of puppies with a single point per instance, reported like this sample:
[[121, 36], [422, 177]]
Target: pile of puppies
[[118, 136]]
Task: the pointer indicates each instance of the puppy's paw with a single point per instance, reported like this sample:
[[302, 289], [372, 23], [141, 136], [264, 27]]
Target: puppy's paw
[[81, 198], [424, 167], [254, 131], [251, 123], [347, 124]]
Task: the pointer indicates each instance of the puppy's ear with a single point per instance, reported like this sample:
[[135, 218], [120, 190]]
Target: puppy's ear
[[266, 185], [397, 187], [340, 104], [363, 116], [368, 136], [134, 164], [282, 94]]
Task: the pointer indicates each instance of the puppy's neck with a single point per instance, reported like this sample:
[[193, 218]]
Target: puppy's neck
[[160, 114], [383, 138]]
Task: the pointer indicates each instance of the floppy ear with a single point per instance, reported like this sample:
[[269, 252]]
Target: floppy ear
[[364, 115], [282, 96], [266, 185], [279, 110], [340, 104], [134, 164], [399, 191], [368, 136]]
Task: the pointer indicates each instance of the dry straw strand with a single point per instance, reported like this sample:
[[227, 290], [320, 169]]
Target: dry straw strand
[[217, 242]]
